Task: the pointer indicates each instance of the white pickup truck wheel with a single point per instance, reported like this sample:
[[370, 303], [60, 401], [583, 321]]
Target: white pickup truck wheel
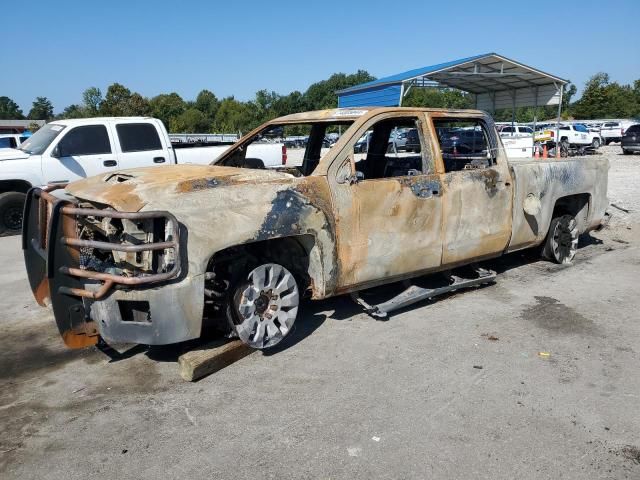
[[265, 306], [562, 240], [11, 211]]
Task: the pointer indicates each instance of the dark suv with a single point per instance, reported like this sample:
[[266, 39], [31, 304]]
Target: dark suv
[[631, 140]]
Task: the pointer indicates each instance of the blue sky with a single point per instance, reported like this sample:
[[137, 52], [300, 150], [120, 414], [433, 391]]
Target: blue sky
[[237, 48]]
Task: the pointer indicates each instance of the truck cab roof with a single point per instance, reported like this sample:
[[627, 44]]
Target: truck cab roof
[[73, 122], [351, 114]]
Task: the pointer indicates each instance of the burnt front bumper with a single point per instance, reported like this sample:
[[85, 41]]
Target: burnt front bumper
[[88, 303]]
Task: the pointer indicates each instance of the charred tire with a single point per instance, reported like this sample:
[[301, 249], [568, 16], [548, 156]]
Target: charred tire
[[562, 240], [626, 152], [11, 211], [263, 307]]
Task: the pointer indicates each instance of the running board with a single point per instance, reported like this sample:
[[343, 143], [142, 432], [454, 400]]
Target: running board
[[414, 294]]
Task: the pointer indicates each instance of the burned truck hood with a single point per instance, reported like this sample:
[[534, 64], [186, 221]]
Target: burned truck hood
[[130, 190]]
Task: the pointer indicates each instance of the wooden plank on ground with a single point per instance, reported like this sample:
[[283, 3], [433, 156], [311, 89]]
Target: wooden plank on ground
[[210, 358]]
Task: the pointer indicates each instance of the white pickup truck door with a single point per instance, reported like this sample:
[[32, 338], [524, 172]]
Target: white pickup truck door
[[140, 145], [477, 190], [82, 151]]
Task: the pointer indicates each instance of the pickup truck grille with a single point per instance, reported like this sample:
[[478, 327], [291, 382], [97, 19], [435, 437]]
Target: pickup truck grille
[[96, 245]]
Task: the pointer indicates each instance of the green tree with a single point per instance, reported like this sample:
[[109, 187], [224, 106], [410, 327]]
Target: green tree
[[121, 102], [233, 116], [207, 103], [603, 98], [292, 103], [322, 94], [42, 109], [435, 98], [166, 107], [9, 110], [138, 106], [73, 111], [91, 100], [116, 101], [191, 120]]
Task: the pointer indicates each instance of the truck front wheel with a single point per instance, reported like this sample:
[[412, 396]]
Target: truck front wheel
[[562, 240], [11, 211], [264, 306]]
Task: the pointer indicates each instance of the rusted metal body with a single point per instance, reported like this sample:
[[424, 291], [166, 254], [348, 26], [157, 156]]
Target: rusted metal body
[[162, 226]]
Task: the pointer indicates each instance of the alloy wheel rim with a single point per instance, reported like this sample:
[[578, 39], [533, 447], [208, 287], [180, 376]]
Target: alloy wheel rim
[[565, 240], [267, 306]]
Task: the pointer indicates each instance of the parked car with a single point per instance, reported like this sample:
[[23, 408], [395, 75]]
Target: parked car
[[593, 135], [12, 140], [148, 255], [66, 150], [362, 144], [631, 140], [614, 130], [510, 131], [570, 135]]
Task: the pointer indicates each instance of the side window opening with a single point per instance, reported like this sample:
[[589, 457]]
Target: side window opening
[[85, 140], [391, 148], [138, 137], [464, 144], [302, 146]]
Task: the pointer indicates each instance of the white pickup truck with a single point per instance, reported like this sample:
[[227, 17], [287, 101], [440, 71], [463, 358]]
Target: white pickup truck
[[614, 130], [67, 150], [575, 135]]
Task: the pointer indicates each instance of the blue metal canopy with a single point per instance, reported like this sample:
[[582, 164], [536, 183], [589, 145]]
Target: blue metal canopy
[[494, 80]]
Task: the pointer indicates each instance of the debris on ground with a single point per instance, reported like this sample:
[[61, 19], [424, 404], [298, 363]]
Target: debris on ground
[[632, 453]]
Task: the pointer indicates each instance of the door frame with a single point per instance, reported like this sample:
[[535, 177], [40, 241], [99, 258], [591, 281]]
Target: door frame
[[348, 214], [493, 245]]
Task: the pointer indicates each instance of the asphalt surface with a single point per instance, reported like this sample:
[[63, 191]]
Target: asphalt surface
[[534, 377]]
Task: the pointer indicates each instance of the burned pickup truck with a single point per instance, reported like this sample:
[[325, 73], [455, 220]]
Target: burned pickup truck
[[152, 255]]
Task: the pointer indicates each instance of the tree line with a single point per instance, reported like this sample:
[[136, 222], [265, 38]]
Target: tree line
[[601, 98]]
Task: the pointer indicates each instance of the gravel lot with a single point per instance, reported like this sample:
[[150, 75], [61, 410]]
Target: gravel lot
[[534, 377]]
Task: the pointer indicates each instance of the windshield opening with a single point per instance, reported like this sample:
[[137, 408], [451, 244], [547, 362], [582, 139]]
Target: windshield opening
[[293, 148], [39, 141]]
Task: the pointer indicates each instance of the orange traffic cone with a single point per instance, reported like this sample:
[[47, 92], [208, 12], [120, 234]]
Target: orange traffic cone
[[545, 154]]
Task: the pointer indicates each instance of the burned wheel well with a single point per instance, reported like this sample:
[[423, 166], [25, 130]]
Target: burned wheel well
[[14, 186], [576, 205], [227, 267], [292, 253]]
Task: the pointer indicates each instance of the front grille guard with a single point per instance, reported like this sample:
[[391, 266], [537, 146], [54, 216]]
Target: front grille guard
[[44, 211]]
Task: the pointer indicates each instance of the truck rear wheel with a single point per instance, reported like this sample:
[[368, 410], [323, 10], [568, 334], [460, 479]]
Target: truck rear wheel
[[11, 211], [264, 307], [562, 240]]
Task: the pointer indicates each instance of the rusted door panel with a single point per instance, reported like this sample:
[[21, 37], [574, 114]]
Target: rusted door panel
[[388, 228], [477, 213]]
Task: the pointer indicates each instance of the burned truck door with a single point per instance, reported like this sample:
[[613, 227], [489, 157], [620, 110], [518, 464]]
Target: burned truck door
[[387, 201], [477, 188]]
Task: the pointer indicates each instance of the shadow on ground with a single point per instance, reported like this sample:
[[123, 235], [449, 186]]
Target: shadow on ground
[[315, 313]]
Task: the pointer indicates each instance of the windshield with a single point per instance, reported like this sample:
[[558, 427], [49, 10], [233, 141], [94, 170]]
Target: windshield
[[580, 128], [39, 141]]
